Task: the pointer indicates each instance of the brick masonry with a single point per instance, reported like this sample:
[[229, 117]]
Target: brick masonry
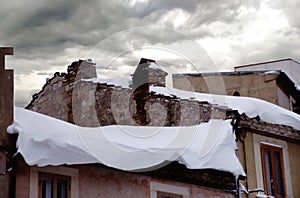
[[67, 97]]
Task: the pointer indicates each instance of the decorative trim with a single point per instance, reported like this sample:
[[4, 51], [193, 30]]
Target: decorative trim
[[257, 141], [201, 177], [257, 126]]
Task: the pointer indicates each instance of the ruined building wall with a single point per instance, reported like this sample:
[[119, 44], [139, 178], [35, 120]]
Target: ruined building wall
[[71, 98], [56, 103]]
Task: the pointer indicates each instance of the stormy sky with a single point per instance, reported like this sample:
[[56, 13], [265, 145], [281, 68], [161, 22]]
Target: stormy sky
[[182, 36]]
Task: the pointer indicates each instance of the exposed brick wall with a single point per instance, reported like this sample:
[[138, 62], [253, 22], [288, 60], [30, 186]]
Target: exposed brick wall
[[85, 103]]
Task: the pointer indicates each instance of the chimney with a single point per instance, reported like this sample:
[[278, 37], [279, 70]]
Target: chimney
[[148, 73]]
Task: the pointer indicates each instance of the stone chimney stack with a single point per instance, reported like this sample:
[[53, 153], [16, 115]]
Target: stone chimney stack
[[82, 69], [146, 74]]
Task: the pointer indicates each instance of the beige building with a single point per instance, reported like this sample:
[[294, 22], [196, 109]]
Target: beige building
[[273, 86], [270, 157], [289, 66], [269, 153]]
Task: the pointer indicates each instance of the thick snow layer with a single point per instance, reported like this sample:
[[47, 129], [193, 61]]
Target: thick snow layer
[[272, 72], [153, 65], [252, 107], [297, 86], [289, 76], [45, 141]]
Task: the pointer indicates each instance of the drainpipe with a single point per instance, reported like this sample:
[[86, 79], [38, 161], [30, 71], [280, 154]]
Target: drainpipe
[[238, 132], [10, 171], [13, 176], [244, 156]]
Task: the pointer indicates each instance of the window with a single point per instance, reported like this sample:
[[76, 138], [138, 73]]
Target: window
[[162, 190], [54, 186], [236, 93], [167, 195], [273, 174]]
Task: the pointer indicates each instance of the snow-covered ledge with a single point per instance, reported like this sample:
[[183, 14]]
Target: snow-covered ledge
[[252, 107]]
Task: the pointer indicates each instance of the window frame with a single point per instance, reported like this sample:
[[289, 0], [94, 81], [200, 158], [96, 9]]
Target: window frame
[[161, 193], [55, 178], [168, 189], [73, 173], [272, 149]]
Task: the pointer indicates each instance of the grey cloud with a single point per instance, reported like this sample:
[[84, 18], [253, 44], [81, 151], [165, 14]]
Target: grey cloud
[[290, 9], [50, 28], [44, 74], [42, 32], [23, 97], [153, 9], [215, 11], [46, 15], [261, 52], [67, 22]]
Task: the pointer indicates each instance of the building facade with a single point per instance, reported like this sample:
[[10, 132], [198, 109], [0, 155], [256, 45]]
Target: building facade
[[270, 85], [289, 66]]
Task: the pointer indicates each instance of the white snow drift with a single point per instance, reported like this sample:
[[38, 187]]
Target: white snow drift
[[48, 141], [252, 107]]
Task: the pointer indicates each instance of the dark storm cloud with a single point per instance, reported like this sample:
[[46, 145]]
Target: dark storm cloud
[[51, 34], [44, 30], [154, 9], [59, 24], [47, 15]]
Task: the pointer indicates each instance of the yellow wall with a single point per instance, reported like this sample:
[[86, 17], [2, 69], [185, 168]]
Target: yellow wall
[[252, 85], [294, 155], [247, 160], [251, 161]]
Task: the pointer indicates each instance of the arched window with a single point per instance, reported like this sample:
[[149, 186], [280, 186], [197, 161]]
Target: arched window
[[236, 93]]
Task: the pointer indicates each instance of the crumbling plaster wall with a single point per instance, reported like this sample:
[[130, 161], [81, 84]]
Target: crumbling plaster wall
[[71, 98], [100, 182], [53, 100]]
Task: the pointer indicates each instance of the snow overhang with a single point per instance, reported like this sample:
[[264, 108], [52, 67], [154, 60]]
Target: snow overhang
[[44, 140]]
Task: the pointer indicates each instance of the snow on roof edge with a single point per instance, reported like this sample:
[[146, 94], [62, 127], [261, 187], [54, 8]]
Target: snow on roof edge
[[109, 145], [252, 107]]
